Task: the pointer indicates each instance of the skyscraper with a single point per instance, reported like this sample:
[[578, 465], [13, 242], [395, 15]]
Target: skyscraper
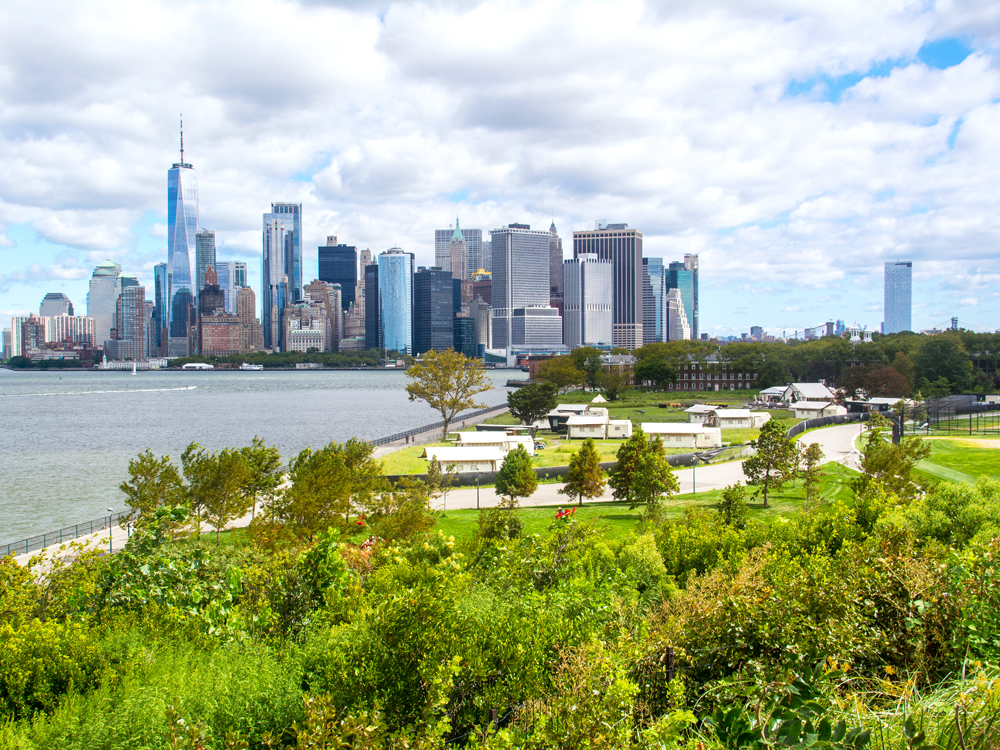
[[395, 296], [588, 289], [623, 247], [457, 252], [102, 299], [338, 264], [681, 277], [520, 276], [898, 302], [653, 287], [373, 318], [130, 325], [675, 323], [231, 275], [55, 303], [691, 264], [433, 303], [161, 308], [291, 213], [485, 255], [182, 228], [274, 279], [250, 337], [204, 257], [473, 239], [555, 268]]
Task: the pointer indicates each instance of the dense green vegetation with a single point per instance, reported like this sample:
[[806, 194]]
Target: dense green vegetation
[[868, 616]]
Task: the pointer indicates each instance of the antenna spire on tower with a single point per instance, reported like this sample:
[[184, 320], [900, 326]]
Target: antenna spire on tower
[[182, 137]]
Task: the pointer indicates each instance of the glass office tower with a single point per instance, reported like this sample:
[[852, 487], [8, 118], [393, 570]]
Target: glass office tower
[[898, 300], [681, 278], [291, 214], [182, 231], [338, 264], [395, 294]]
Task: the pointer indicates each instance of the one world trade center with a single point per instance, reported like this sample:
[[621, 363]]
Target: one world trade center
[[182, 228]]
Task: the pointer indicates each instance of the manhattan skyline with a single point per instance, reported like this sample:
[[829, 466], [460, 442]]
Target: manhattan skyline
[[794, 149]]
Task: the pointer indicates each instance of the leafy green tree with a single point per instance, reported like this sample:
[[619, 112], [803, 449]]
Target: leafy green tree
[[153, 483], [400, 511], [612, 382], [448, 382], [587, 359], [884, 381], [888, 465], [585, 478], [328, 488], [264, 473], [227, 473], [944, 357], [561, 372], [936, 388], [532, 402], [774, 463], [772, 372], [811, 470], [732, 507], [903, 364], [656, 371], [642, 475], [516, 477]]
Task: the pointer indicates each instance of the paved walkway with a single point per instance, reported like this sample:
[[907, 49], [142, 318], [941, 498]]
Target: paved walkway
[[432, 436], [837, 443]]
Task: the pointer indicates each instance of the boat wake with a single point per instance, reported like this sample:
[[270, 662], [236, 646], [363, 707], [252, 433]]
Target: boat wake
[[85, 393]]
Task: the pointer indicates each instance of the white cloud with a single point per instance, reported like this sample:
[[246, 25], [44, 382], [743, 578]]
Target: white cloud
[[676, 118], [969, 302]]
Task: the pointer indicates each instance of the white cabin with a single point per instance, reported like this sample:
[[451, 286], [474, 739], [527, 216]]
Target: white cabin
[[813, 409], [684, 435], [734, 419], [467, 459]]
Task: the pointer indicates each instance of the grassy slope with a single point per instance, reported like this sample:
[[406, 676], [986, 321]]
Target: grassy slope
[[960, 461], [620, 521]]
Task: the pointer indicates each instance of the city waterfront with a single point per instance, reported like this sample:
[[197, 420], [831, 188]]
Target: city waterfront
[[67, 437]]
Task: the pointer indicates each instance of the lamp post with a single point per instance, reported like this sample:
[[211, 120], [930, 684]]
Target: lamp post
[[111, 532]]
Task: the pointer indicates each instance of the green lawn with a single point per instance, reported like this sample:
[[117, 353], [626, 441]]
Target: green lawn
[[619, 521], [960, 461]]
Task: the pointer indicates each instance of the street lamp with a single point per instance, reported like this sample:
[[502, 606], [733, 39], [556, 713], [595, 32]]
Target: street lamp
[[111, 532]]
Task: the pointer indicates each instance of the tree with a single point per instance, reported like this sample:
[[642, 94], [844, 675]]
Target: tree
[[532, 402], [561, 372], [732, 507], [944, 357], [774, 463], [400, 511], [904, 366], [264, 473], [587, 359], [585, 478], [153, 483], [613, 382], [328, 487], [448, 381], [439, 483], [810, 473], [642, 474], [884, 381], [889, 465], [656, 371], [226, 474], [516, 478]]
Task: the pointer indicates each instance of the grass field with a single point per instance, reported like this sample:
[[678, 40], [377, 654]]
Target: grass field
[[619, 521], [961, 460]]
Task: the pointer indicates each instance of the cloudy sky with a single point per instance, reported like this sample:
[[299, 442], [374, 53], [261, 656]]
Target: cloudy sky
[[796, 146]]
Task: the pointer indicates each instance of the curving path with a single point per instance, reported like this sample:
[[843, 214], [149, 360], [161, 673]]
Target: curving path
[[837, 443]]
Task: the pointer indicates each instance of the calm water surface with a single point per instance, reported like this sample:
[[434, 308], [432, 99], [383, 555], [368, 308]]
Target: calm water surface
[[66, 438]]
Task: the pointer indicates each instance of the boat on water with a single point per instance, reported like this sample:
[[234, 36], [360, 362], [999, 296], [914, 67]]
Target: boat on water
[[248, 366]]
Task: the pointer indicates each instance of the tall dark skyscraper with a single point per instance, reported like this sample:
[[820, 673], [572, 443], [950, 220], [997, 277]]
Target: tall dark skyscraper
[[433, 309], [338, 264], [555, 268], [623, 247], [373, 310]]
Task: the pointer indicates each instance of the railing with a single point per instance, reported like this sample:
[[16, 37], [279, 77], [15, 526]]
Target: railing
[[66, 534], [808, 424], [436, 426]]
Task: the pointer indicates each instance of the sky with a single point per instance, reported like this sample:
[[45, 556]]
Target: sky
[[795, 146]]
